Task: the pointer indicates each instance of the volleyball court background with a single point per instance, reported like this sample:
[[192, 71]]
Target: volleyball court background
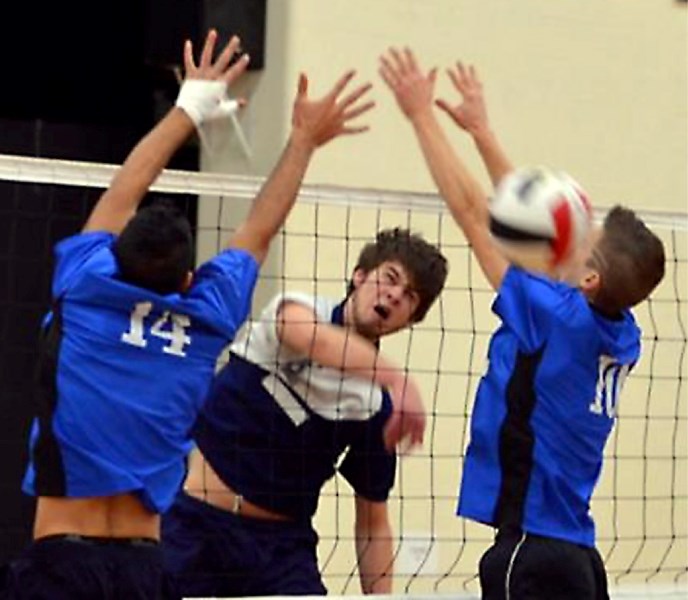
[[640, 507], [564, 87], [641, 504], [580, 96]]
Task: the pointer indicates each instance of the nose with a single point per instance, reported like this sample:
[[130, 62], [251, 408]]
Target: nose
[[395, 293]]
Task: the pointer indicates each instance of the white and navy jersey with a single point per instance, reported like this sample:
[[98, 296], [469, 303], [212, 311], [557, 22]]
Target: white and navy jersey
[[545, 409], [124, 372], [276, 424]]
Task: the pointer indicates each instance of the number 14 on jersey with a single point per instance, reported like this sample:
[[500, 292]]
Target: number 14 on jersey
[[169, 326]]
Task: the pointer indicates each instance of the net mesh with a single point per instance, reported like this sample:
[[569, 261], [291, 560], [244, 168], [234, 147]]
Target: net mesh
[[641, 502]]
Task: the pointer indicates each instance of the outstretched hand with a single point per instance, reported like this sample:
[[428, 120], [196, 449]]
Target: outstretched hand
[[471, 113], [412, 88], [319, 121], [220, 69], [406, 425], [203, 95]]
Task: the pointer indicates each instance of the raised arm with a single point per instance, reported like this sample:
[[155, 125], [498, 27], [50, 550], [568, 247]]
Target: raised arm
[[299, 329], [314, 123], [471, 115], [204, 88], [461, 192]]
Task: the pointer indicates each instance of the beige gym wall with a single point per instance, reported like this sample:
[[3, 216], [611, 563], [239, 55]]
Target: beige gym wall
[[595, 87]]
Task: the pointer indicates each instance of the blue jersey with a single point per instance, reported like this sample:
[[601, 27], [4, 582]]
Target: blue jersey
[[275, 424], [126, 371], [545, 409]]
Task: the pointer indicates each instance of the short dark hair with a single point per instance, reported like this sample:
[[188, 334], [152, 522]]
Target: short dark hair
[[155, 249], [630, 260], [425, 265]]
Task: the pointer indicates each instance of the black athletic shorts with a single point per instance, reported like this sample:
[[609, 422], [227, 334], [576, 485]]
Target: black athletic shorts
[[520, 566], [214, 553], [73, 567]]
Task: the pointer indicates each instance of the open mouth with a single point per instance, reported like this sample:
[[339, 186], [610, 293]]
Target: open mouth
[[382, 311]]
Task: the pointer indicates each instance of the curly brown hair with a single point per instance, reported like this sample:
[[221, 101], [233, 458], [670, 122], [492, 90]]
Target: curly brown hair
[[425, 265]]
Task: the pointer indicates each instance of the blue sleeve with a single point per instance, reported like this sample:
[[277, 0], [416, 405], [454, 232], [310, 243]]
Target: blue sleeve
[[73, 256], [368, 466], [226, 283], [524, 304]]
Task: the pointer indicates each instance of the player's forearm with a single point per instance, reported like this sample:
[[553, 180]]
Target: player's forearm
[[152, 154], [275, 199], [374, 552], [299, 329], [141, 168], [459, 189], [341, 349], [495, 159], [462, 194]]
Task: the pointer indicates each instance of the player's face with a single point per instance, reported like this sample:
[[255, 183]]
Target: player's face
[[576, 269], [384, 300]]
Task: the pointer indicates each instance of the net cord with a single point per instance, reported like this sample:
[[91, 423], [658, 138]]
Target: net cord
[[98, 175]]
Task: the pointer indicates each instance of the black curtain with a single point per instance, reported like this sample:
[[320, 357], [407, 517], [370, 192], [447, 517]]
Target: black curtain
[[77, 84]]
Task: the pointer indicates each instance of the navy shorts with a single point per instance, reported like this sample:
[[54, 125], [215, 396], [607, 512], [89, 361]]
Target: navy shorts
[[70, 567], [212, 552], [541, 568]]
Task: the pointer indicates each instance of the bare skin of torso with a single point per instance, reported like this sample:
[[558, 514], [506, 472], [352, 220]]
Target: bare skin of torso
[[124, 515], [119, 516], [203, 483]]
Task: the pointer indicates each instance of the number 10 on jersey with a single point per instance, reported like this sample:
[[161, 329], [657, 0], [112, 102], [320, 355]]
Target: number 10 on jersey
[[610, 380]]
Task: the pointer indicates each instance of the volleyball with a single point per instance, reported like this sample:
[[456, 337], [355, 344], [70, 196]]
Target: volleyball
[[539, 217]]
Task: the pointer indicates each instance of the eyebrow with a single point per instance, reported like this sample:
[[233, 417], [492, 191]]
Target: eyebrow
[[408, 285], [394, 271]]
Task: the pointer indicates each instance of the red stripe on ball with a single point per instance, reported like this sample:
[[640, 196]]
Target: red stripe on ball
[[561, 215]]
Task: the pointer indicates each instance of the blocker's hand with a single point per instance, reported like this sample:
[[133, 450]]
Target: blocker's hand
[[470, 113], [219, 70], [319, 121], [203, 93], [412, 88]]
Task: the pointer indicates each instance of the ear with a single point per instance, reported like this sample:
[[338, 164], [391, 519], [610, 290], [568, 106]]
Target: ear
[[590, 283], [358, 277], [187, 282]]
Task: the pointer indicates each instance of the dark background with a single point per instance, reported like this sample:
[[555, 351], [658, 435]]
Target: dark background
[[83, 81]]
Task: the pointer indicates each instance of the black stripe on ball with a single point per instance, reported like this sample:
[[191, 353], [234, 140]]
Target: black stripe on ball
[[506, 232]]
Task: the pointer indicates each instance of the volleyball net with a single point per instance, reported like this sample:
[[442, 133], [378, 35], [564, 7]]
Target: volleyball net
[[641, 503]]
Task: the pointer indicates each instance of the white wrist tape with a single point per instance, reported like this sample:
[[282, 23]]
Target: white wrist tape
[[226, 108], [201, 98]]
